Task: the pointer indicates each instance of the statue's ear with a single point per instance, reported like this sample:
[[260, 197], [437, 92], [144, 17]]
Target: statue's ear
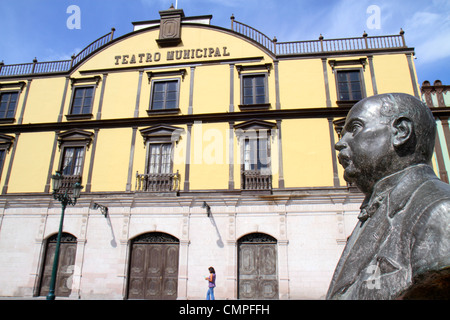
[[403, 132]]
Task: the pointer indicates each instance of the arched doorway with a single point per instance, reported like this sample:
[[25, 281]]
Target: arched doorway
[[153, 268], [67, 253], [257, 267]]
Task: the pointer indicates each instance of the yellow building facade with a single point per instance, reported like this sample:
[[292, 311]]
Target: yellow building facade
[[209, 146]]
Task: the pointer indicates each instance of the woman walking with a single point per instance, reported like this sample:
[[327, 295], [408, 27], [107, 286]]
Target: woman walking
[[211, 283]]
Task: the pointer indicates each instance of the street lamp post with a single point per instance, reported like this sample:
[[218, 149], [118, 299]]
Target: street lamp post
[[65, 199]]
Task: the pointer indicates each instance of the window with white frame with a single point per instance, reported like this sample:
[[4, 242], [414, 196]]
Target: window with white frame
[[73, 145], [255, 140], [158, 175], [72, 163], [160, 158], [256, 156]]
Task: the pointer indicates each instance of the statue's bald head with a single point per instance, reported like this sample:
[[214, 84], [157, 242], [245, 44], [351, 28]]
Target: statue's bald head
[[384, 134], [395, 106]]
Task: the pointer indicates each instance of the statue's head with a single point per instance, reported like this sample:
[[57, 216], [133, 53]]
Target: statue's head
[[384, 134]]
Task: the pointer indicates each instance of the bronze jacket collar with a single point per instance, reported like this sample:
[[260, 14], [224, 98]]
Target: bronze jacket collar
[[400, 185]]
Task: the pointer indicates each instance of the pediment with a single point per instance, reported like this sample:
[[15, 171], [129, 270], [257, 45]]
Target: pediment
[[255, 125], [75, 137], [6, 141], [161, 133]]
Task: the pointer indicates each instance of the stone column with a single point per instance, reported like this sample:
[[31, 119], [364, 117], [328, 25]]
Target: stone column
[[283, 267], [183, 257], [231, 252]]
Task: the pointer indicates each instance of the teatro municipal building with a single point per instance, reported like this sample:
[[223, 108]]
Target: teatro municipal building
[[196, 145]]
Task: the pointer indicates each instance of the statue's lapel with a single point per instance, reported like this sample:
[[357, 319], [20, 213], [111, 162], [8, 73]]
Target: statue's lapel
[[367, 238], [361, 248]]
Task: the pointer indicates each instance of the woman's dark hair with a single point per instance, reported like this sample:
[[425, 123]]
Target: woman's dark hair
[[211, 270]]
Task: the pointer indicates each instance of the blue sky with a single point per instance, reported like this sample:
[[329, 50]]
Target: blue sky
[[38, 28]]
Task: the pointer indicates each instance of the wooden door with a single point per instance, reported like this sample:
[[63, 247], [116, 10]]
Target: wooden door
[[257, 272], [153, 270], [67, 253]]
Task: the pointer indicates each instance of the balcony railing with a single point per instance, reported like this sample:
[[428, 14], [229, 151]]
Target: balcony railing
[[322, 45], [158, 182], [54, 66], [35, 67], [100, 42], [253, 34], [67, 183], [338, 45], [364, 43], [256, 180]]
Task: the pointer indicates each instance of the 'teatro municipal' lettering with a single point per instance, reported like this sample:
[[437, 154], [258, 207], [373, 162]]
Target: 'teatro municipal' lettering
[[185, 54]]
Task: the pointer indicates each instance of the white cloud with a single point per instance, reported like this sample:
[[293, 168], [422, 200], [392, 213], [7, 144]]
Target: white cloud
[[421, 22], [342, 19], [429, 32], [346, 19], [433, 48], [52, 55]]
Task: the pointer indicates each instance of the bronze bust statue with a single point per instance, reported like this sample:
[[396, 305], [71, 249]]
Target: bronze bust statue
[[400, 247]]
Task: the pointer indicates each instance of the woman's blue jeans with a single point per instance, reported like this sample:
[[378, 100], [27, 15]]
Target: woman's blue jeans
[[210, 294]]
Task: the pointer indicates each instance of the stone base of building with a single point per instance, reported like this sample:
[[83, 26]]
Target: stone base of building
[[285, 245]]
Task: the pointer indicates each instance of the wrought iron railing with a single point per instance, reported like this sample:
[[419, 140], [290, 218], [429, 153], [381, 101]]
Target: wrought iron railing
[[100, 42], [322, 45], [256, 180], [67, 183], [54, 66], [278, 48], [158, 182], [253, 34]]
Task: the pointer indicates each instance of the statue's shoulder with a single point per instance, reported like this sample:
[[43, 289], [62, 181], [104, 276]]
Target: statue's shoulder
[[438, 195], [430, 229], [431, 191], [431, 202], [427, 214], [430, 250]]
